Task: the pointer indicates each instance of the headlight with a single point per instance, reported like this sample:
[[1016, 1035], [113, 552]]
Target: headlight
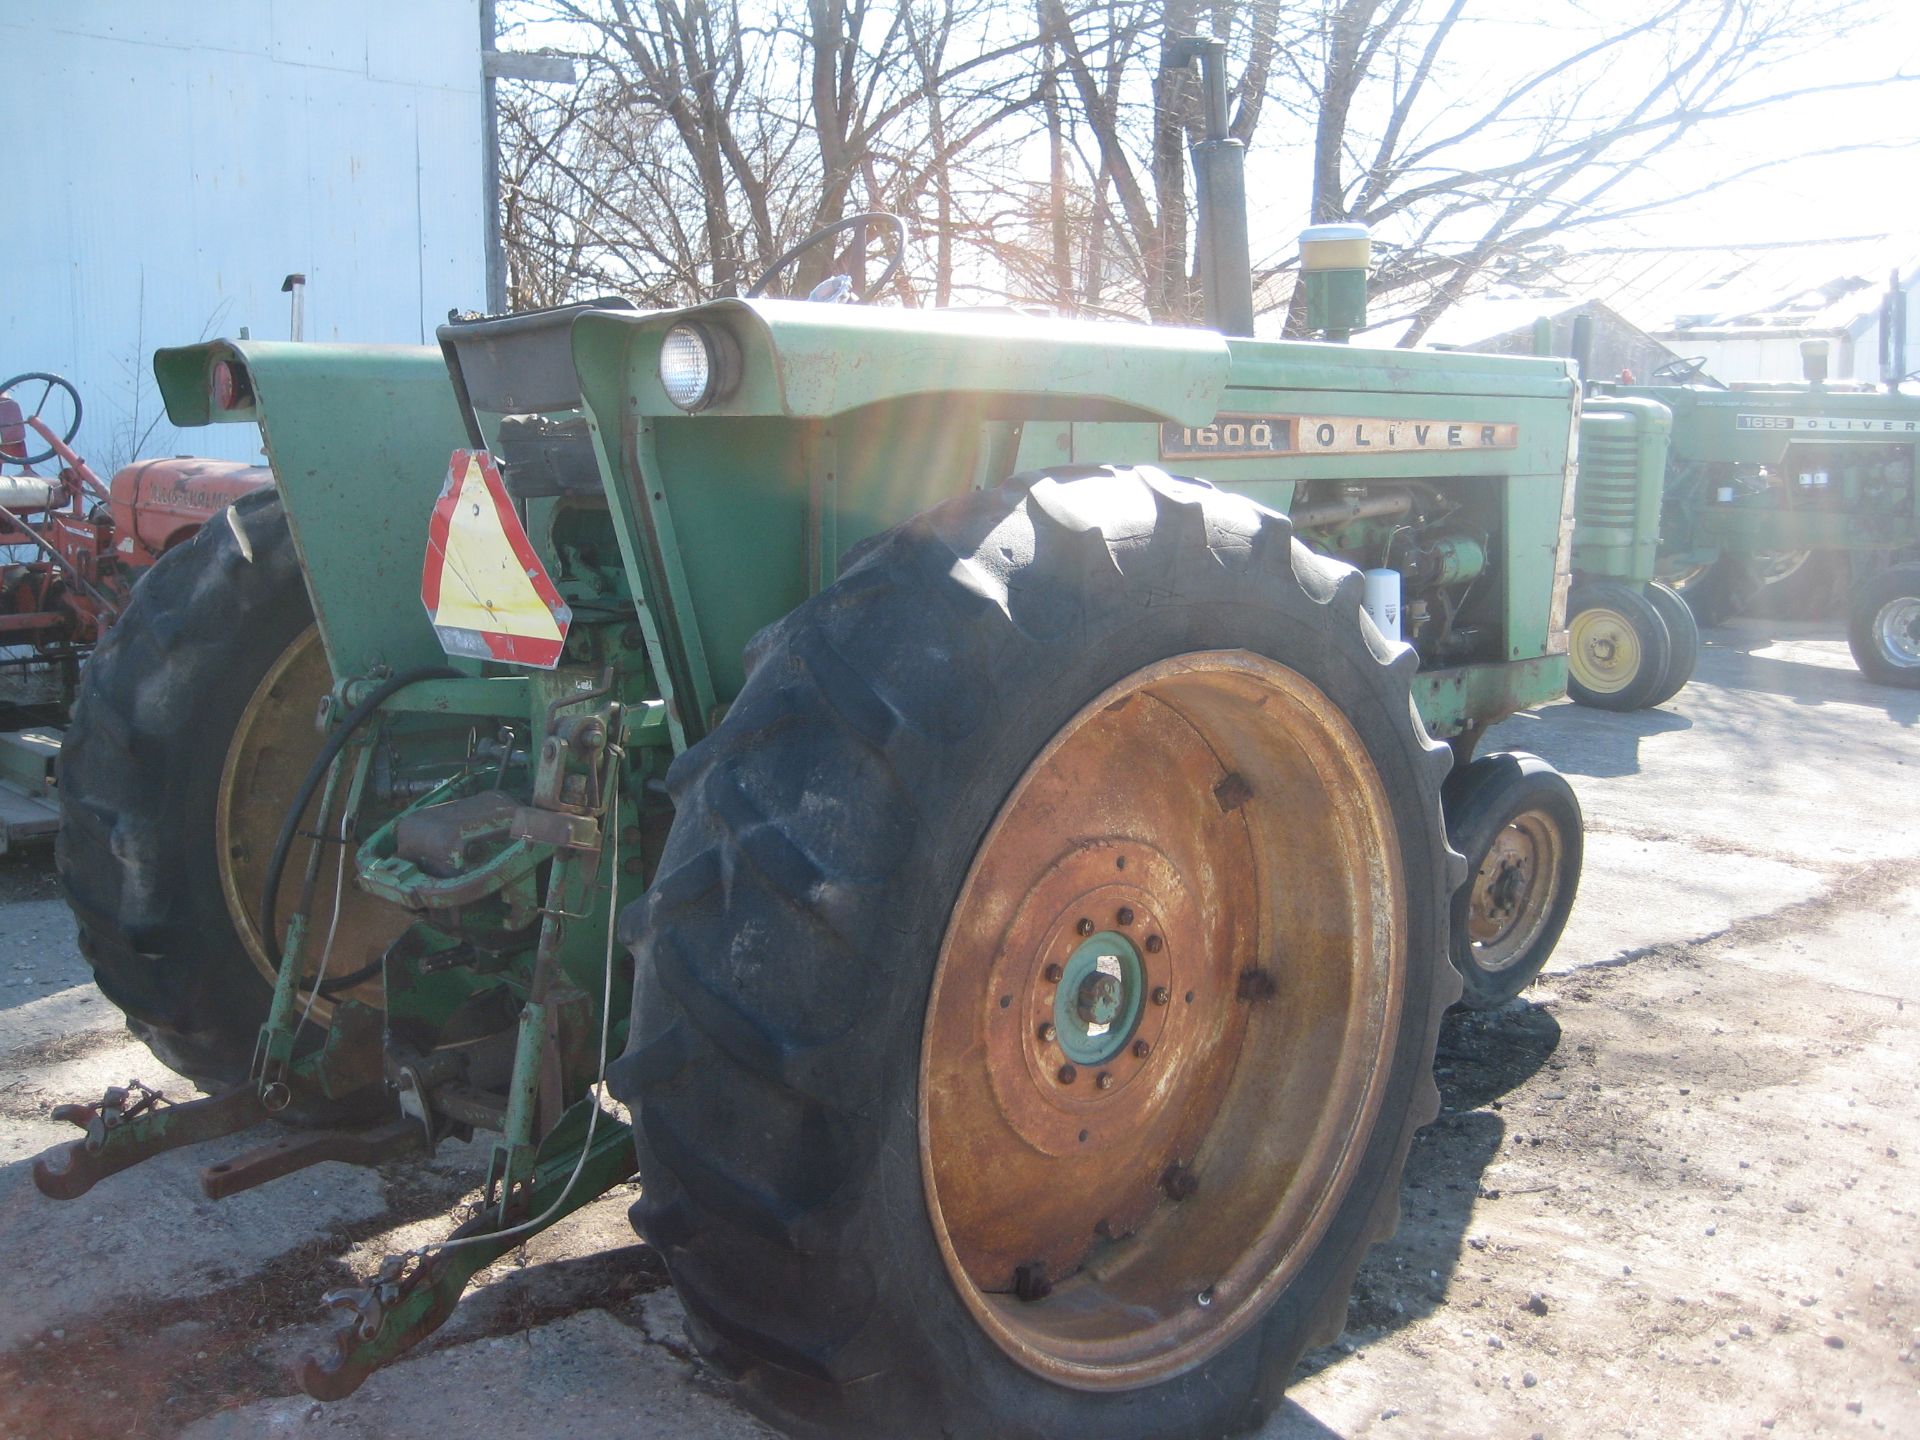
[[689, 367]]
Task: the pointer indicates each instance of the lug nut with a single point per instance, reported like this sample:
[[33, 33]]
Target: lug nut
[[1053, 974], [1125, 916], [1067, 1072], [1047, 1032], [1085, 927], [1161, 995], [1103, 1080], [1141, 1049], [1154, 942]]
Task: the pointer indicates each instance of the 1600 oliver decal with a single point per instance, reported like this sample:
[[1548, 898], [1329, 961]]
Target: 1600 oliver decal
[[1248, 437]]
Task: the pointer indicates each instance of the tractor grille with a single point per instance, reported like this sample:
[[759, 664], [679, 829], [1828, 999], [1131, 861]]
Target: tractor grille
[[1607, 495]]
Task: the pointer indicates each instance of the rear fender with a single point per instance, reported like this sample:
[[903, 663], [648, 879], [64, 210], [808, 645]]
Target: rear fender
[[358, 438]]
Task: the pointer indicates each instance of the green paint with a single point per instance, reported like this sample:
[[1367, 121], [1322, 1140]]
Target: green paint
[[358, 437], [1098, 1001], [1621, 476]]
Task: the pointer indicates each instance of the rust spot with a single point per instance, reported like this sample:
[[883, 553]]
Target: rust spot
[[1257, 985]]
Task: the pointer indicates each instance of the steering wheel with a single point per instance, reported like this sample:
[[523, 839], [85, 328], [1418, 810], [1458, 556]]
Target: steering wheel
[[839, 288], [48, 384], [1681, 372]]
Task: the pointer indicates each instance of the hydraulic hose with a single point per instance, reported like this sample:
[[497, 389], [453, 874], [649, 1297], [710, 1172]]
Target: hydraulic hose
[[316, 774]]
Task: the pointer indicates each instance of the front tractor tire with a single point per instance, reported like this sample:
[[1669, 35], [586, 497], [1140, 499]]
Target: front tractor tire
[[192, 730], [1518, 823], [1883, 627], [1039, 993], [1618, 646]]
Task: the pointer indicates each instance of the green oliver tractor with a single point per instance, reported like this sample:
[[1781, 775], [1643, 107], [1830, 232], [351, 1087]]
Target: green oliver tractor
[[1777, 488], [1008, 890], [1632, 641]]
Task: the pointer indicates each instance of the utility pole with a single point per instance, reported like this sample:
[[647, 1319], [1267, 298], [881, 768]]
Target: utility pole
[[497, 65], [490, 163]]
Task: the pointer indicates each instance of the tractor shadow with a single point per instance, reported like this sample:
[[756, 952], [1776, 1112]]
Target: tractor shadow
[[1481, 1058], [1732, 659], [1577, 740]]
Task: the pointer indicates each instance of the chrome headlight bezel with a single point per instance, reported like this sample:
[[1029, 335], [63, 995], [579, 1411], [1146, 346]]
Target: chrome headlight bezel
[[719, 358]]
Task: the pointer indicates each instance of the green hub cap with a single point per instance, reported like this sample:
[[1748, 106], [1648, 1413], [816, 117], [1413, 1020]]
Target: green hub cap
[[1098, 1000]]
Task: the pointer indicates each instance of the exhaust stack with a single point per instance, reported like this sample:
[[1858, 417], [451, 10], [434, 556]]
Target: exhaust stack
[[1813, 362], [1220, 187], [1333, 267]]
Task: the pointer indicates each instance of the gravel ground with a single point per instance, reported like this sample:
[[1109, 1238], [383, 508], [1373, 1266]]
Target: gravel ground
[[1673, 1191]]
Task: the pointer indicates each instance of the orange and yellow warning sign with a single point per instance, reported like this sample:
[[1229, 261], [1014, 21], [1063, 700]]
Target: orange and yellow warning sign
[[485, 590]]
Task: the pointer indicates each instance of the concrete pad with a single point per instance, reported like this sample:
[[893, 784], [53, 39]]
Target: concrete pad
[[1637, 892], [1771, 756], [150, 1232], [582, 1378], [1870, 952]]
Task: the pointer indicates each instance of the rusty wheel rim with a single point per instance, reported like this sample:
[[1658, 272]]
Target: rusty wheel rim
[[1514, 890], [272, 746], [1213, 827]]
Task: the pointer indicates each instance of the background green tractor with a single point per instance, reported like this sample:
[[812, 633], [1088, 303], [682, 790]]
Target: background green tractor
[[1801, 488], [1632, 641], [1015, 882]]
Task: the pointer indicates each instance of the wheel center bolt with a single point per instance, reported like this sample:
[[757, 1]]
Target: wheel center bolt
[[1099, 998], [1161, 995]]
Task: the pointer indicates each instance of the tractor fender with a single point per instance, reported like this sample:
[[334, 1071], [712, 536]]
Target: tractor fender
[[801, 360]]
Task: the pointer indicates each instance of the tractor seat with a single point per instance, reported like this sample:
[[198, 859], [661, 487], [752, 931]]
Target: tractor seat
[[28, 492]]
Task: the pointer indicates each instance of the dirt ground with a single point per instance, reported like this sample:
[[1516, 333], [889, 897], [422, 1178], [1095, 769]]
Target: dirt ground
[[1675, 1189]]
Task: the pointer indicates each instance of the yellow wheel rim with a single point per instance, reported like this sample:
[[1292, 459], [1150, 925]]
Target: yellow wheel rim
[[272, 746], [1603, 650]]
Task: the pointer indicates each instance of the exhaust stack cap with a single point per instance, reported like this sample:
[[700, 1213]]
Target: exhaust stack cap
[[1336, 247], [1813, 360]]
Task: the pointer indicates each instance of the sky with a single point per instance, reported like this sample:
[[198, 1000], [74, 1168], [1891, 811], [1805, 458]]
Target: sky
[[1869, 192]]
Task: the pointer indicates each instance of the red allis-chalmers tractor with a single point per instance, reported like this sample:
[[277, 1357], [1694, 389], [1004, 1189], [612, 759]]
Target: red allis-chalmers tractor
[[70, 549], [92, 539]]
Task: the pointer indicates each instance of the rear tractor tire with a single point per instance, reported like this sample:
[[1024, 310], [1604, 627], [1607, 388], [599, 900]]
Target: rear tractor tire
[[1883, 627], [193, 728], [1039, 993], [1618, 648], [1518, 823]]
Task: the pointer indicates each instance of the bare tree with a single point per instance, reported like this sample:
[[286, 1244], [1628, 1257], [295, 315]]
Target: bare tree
[[728, 131], [1461, 166], [1038, 152]]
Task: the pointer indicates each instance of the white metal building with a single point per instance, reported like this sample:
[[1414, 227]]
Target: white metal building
[[168, 164]]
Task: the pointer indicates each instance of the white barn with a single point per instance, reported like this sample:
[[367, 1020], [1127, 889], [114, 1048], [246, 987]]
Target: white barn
[[169, 164]]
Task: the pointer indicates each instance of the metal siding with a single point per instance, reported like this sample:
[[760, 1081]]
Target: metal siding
[[183, 160]]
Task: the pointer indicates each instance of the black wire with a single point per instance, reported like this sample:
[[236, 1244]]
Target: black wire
[[329, 752]]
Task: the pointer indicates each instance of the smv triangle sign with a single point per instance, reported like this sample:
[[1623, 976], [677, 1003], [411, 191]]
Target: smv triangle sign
[[485, 590]]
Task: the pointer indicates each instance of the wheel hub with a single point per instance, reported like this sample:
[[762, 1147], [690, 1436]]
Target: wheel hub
[[1097, 995], [1513, 890], [1897, 630]]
